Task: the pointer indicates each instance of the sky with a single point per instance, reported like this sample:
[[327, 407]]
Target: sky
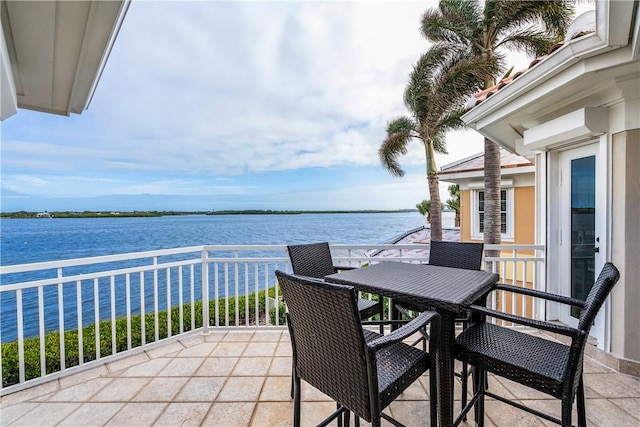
[[234, 105]]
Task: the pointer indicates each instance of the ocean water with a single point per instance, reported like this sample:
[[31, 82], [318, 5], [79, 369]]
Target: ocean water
[[37, 240]]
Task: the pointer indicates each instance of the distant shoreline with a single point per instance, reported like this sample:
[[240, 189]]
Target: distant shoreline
[[146, 214]]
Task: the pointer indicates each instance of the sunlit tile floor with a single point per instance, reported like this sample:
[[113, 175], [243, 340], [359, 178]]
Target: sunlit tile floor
[[242, 378]]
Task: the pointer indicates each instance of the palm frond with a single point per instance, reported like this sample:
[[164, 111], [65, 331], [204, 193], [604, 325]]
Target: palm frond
[[399, 132]]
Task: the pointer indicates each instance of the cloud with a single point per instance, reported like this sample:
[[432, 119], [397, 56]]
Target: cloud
[[198, 93]]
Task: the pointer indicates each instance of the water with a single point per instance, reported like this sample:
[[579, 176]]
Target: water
[[37, 240]]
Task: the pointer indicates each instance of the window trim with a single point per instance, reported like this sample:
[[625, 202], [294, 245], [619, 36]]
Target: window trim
[[510, 214]]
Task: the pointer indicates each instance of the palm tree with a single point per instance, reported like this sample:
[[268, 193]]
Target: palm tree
[[486, 30], [454, 202], [438, 85]]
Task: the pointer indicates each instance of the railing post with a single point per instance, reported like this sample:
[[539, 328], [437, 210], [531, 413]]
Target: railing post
[[205, 292]]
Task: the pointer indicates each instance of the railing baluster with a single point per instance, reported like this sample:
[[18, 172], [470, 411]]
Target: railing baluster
[[113, 315], [20, 335], [226, 294], [80, 321], [43, 363], [168, 278], [246, 293], [156, 326], [96, 317], [180, 302], [192, 297], [256, 286], [63, 358], [143, 314], [127, 292]]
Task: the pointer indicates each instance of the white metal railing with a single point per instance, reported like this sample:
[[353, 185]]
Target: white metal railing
[[139, 300]]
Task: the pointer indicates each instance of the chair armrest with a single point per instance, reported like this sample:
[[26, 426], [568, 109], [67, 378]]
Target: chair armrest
[[406, 330], [338, 268], [537, 324], [539, 294]]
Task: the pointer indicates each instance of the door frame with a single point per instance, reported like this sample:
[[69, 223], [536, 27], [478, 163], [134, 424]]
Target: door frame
[[558, 226]]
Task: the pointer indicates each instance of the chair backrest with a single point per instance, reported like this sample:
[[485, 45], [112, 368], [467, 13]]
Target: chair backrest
[[466, 255], [605, 282], [311, 260], [327, 339]]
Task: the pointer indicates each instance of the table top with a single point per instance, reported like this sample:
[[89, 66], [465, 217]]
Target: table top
[[431, 286]]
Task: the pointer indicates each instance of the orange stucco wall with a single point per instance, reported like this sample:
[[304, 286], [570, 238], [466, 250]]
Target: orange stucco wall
[[524, 211]]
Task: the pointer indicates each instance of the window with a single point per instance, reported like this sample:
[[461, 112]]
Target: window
[[506, 213]]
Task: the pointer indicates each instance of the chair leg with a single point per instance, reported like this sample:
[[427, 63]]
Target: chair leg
[[479, 379], [582, 414], [296, 401], [464, 379], [567, 405], [381, 310]]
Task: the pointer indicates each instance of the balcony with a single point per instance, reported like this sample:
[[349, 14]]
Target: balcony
[[234, 367], [241, 377]]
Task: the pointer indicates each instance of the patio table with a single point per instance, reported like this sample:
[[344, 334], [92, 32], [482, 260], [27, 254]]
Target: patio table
[[447, 290]]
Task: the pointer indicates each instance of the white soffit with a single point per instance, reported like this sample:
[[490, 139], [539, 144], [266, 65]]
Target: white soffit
[[581, 124], [58, 49], [8, 100]]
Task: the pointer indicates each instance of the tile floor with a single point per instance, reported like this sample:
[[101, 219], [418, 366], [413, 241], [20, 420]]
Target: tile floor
[[242, 378]]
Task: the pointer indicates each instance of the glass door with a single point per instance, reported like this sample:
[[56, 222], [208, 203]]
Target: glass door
[[582, 220], [583, 227]]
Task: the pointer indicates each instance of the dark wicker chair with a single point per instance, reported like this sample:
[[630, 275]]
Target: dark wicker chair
[[547, 366], [314, 260], [361, 370]]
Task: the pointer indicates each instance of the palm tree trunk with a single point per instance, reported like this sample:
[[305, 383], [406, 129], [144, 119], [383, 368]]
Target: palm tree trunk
[[434, 192], [492, 218]]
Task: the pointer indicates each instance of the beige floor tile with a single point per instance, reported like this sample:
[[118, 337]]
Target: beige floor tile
[[312, 394], [147, 369], [591, 366], [214, 336], [613, 385], [127, 362], [182, 367], [252, 366], [267, 336], [601, 412], [280, 366], [241, 389], [92, 414], [505, 415], [161, 389], [137, 414], [229, 414], [276, 389], [81, 377], [414, 392], [217, 366], [503, 386], [120, 390], [81, 392], [192, 339], [201, 389], [183, 414], [10, 413], [29, 394], [312, 413], [264, 349], [272, 414], [227, 349], [46, 414], [630, 405], [283, 349], [199, 350], [165, 350], [415, 413], [238, 336]]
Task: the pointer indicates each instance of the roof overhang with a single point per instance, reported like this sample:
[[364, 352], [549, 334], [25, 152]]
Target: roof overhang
[[53, 52], [592, 71]]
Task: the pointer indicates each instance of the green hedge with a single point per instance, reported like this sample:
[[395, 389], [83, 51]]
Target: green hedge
[[10, 366]]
